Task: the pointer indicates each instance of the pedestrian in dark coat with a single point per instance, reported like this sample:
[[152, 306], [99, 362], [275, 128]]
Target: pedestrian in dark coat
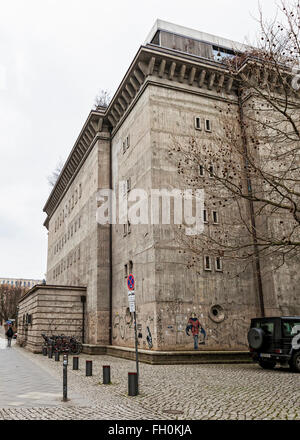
[[9, 335]]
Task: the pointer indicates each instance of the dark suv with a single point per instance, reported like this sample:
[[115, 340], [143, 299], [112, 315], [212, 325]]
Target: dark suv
[[275, 340]]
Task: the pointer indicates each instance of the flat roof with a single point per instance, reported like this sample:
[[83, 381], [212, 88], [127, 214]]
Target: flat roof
[[194, 34]]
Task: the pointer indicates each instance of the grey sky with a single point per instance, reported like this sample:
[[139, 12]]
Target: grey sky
[[54, 58]]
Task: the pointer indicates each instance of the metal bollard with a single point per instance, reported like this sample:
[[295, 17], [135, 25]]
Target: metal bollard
[[106, 374], [45, 351], [75, 363], [89, 368], [50, 352], [65, 378], [57, 356], [133, 384]]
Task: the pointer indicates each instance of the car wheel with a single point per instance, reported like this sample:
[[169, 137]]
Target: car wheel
[[295, 362], [267, 365]]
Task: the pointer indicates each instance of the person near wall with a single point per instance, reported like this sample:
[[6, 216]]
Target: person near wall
[[9, 335]]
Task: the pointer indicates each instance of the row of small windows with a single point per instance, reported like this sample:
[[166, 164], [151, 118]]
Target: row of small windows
[[66, 263], [72, 229], [208, 262], [208, 265], [207, 124], [214, 216], [68, 208], [19, 283]]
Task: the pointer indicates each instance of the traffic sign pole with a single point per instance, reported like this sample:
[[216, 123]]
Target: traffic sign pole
[[136, 352], [131, 299]]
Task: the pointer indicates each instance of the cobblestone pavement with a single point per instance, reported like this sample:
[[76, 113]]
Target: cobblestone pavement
[[183, 392]]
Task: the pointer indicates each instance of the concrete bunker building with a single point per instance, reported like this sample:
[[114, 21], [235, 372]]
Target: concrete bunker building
[[176, 77]]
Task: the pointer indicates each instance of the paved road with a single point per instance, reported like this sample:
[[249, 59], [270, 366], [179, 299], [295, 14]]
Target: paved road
[[30, 388]]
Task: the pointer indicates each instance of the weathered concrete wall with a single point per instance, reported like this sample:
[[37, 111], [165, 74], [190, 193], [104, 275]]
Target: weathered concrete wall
[[180, 291], [78, 248], [280, 274], [136, 246], [166, 291], [54, 310]]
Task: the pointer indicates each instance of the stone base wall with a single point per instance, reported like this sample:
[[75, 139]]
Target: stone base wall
[[50, 310]]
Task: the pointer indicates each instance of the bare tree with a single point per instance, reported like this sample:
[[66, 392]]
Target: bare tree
[[52, 179], [9, 299], [250, 169], [102, 99]]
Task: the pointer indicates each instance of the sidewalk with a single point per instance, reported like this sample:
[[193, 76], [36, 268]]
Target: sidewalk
[[25, 384]]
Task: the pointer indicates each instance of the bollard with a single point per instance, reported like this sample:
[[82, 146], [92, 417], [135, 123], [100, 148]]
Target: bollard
[[45, 351], [132, 384], [65, 378], [75, 363], [57, 356], [106, 375], [89, 368], [50, 352]]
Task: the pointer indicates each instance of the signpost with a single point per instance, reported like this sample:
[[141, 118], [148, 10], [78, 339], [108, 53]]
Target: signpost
[[65, 380], [132, 308]]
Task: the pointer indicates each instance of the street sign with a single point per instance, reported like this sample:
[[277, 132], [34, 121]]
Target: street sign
[[130, 282], [131, 300]]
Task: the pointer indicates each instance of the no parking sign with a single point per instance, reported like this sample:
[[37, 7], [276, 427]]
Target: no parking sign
[[130, 282]]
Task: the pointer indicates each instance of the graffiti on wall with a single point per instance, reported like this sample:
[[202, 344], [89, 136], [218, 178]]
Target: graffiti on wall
[[123, 328], [194, 326], [149, 338]]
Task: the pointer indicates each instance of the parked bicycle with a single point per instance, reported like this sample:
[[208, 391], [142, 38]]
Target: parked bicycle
[[62, 344]]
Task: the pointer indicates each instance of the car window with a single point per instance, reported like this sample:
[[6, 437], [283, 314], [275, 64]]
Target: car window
[[290, 328], [267, 327]]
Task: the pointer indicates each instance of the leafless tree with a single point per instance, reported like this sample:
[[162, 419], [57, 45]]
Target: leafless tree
[[52, 179], [102, 99], [250, 167], [9, 299]]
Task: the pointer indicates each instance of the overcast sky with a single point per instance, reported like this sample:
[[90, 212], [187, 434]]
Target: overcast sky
[[54, 58]]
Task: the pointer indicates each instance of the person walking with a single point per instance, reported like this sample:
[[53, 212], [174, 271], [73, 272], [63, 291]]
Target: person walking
[[9, 335]]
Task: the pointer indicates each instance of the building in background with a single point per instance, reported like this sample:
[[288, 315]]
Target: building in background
[[20, 282], [172, 88]]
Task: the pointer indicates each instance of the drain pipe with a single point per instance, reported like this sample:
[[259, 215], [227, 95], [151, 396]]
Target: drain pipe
[[110, 248], [83, 300], [252, 214]]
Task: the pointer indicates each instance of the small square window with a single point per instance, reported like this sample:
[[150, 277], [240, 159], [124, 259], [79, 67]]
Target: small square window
[[198, 123], [207, 125], [207, 263]]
